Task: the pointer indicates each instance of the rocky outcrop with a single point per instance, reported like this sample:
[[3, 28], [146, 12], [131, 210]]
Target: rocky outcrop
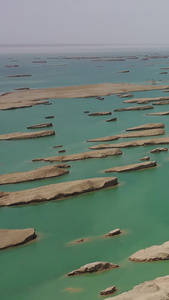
[[49, 117], [145, 158], [147, 126], [22, 89], [135, 108], [146, 100], [113, 233], [26, 135], [43, 125], [161, 102], [124, 71], [157, 150], [15, 237], [157, 289], [133, 167], [154, 253], [57, 146], [34, 96], [56, 191], [143, 133], [103, 113], [136, 143], [81, 156], [24, 75], [37, 174], [11, 66], [109, 290], [111, 120], [93, 267], [125, 95], [162, 113]]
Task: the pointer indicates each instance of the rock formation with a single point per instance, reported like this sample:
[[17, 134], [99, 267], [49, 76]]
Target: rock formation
[[113, 232], [109, 290], [93, 267], [81, 156], [147, 126], [56, 191], [15, 237], [26, 135], [141, 107], [103, 113], [133, 167], [157, 150], [43, 125]]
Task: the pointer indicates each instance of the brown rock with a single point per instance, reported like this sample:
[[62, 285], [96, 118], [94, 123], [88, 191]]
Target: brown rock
[[49, 117], [145, 158], [161, 102], [57, 191], [135, 108], [157, 150], [157, 289], [24, 75], [43, 125], [109, 290], [147, 100], [37, 174], [61, 151], [93, 267], [80, 156], [124, 71], [147, 126], [154, 253], [164, 113], [111, 120], [125, 95], [26, 135], [103, 113], [134, 167], [16, 237], [113, 232]]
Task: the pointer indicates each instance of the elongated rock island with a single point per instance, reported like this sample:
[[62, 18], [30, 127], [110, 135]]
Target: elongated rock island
[[40, 173], [154, 253], [81, 156], [157, 289], [15, 237], [26, 135], [147, 126], [146, 100], [18, 99], [136, 143], [40, 125], [142, 133], [133, 167], [56, 191], [135, 108], [94, 267]]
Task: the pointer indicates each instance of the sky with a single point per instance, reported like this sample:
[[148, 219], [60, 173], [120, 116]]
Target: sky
[[84, 21]]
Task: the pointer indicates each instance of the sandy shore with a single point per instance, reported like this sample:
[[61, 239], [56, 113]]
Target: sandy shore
[[30, 97]]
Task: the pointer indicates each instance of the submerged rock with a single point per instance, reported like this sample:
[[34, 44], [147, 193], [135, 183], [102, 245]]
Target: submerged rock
[[153, 253], [15, 237], [111, 120], [103, 113], [157, 289], [133, 167], [93, 267], [56, 191]]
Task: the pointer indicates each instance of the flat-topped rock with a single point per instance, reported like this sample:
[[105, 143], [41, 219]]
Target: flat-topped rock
[[142, 107], [56, 191], [162, 113], [26, 135], [37, 174], [143, 133], [157, 289], [111, 120], [103, 113], [136, 143], [145, 158], [153, 253], [147, 100], [157, 150], [43, 125], [161, 102], [147, 126], [133, 167], [81, 156], [113, 233], [93, 267], [15, 237], [18, 99], [109, 290]]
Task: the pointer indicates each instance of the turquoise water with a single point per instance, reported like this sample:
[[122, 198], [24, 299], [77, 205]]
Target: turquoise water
[[139, 205]]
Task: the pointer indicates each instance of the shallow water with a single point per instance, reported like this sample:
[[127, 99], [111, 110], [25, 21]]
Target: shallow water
[[139, 205]]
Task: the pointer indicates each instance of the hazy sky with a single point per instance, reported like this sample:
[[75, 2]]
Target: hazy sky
[[84, 21]]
